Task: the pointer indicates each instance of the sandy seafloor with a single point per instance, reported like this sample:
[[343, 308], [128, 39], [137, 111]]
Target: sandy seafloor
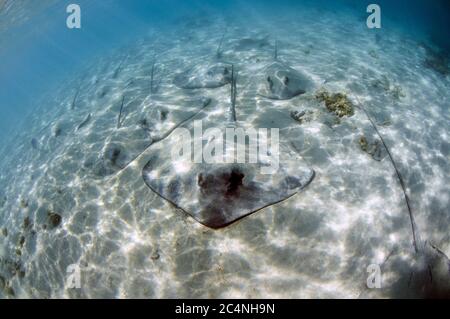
[[131, 243]]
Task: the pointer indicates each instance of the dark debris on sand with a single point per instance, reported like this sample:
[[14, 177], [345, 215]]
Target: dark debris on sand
[[373, 148], [54, 220]]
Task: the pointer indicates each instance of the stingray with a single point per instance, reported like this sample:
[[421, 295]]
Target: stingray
[[204, 76], [248, 44], [219, 194], [123, 147], [281, 82]]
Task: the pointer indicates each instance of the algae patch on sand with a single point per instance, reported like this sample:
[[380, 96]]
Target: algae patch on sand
[[338, 103]]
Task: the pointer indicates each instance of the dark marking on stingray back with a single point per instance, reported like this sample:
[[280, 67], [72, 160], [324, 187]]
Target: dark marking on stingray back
[[225, 185]]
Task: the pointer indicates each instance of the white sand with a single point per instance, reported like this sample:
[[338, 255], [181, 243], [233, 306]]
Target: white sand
[[131, 243]]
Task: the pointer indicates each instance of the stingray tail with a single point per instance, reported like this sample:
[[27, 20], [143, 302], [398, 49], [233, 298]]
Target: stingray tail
[[233, 93], [74, 101], [219, 48], [152, 76], [119, 68], [416, 238], [275, 54], [119, 119]]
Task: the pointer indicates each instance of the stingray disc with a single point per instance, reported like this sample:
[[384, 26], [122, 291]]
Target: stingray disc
[[281, 82], [217, 195], [204, 76]]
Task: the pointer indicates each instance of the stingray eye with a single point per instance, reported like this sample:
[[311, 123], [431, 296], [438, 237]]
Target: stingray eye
[[163, 115], [286, 80], [269, 80]]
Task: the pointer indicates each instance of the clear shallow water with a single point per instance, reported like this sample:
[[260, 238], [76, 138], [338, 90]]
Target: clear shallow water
[[131, 243]]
